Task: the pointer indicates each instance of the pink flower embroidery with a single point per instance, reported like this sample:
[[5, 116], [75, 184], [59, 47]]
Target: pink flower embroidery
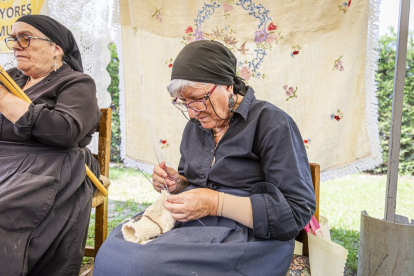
[[189, 39], [189, 30], [271, 27], [338, 64], [245, 73], [271, 38], [290, 92], [227, 7]]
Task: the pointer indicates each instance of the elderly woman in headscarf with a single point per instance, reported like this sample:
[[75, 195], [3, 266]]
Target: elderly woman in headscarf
[[243, 174], [45, 197]]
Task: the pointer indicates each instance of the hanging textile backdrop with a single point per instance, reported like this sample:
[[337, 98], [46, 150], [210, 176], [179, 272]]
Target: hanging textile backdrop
[[89, 21], [313, 59]]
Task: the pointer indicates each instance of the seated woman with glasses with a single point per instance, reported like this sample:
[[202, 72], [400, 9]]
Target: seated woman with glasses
[[244, 174], [45, 197]]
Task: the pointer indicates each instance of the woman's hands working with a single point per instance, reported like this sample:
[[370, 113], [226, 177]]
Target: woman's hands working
[[193, 204], [166, 175], [189, 205]]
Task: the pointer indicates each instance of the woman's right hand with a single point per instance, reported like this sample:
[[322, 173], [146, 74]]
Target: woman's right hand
[[163, 174]]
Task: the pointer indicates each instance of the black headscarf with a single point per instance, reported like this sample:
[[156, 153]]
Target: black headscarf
[[208, 62], [60, 35]]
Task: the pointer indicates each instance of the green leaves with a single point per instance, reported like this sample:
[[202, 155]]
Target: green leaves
[[385, 82]]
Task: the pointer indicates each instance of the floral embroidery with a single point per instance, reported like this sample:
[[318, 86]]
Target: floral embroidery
[[265, 36], [338, 116], [344, 7], [290, 92], [157, 14], [245, 73], [169, 62], [307, 143], [227, 7], [299, 266], [295, 50], [338, 64], [265, 40], [164, 143]]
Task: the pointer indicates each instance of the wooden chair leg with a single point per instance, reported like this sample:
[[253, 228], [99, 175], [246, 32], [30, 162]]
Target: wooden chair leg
[[101, 224]]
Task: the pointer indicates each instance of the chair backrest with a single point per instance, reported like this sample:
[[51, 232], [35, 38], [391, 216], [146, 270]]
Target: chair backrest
[[104, 144], [316, 180]]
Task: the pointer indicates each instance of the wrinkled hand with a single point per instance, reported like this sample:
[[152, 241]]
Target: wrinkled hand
[[3, 92], [163, 174], [193, 204]]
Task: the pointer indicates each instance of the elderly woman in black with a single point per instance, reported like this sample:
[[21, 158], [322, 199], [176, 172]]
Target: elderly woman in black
[[45, 197], [243, 173]]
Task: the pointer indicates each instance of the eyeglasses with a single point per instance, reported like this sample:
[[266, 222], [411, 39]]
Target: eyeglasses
[[197, 105], [22, 40]]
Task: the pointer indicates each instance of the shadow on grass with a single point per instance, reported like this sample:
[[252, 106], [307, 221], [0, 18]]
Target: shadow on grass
[[350, 240]]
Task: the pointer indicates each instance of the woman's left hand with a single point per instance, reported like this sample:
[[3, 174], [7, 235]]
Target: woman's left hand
[[193, 204]]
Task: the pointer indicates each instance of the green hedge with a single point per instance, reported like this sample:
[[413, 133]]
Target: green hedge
[[385, 82], [113, 89]]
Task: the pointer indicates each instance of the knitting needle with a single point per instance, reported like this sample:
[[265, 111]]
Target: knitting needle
[[168, 192]]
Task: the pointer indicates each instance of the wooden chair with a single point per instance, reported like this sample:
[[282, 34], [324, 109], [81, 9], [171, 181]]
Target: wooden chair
[[99, 201], [316, 180], [302, 237]]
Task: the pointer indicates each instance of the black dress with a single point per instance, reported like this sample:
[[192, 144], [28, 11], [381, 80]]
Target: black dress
[[261, 156], [45, 197]]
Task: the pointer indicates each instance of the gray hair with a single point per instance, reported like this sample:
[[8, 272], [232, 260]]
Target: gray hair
[[177, 86]]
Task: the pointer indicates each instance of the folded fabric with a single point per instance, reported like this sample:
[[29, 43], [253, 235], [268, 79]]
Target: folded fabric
[[155, 221]]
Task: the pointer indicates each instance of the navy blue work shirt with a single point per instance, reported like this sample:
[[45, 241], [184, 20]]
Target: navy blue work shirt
[[261, 153]]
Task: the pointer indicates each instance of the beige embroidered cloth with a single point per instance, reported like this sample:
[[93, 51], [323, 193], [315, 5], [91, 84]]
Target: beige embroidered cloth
[[313, 59]]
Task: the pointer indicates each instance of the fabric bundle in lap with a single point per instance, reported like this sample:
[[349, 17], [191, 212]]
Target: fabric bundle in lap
[[155, 221]]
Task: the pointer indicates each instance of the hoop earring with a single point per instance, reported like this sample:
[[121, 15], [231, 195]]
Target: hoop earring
[[55, 65]]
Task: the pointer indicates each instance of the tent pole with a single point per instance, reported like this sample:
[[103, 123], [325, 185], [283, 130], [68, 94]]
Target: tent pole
[[397, 107]]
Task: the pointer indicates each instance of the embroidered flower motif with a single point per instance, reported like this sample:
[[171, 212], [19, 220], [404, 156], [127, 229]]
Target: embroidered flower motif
[[157, 14], [295, 50], [271, 27], [290, 92], [260, 36], [198, 35], [338, 64], [245, 73], [307, 143], [344, 7], [164, 143], [169, 62], [189, 30], [338, 116], [265, 36], [227, 7], [271, 38]]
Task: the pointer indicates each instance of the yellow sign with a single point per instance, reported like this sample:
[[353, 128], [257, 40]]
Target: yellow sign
[[11, 10]]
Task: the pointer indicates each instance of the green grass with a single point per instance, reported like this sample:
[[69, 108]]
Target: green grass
[[341, 202]]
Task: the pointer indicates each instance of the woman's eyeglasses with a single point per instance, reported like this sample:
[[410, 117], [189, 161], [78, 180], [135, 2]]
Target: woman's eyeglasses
[[197, 105], [22, 40]]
